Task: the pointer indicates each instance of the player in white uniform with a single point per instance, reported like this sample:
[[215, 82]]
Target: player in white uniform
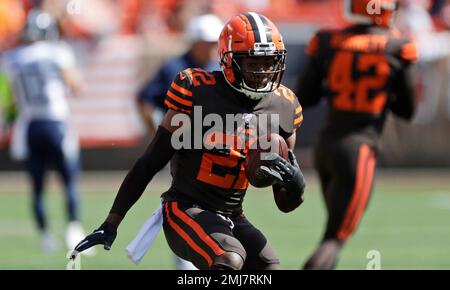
[[42, 74]]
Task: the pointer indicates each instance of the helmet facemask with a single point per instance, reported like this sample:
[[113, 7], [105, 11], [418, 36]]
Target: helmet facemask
[[257, 72]]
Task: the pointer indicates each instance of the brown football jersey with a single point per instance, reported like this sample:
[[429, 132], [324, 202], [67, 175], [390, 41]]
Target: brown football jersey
[[363, 71], [213, 175]]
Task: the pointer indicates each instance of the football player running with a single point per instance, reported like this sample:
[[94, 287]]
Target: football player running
[[43, 73], [365, 72], [203, 219]]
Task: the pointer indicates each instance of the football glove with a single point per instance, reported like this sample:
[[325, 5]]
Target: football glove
[[104, 235], [285, 173]]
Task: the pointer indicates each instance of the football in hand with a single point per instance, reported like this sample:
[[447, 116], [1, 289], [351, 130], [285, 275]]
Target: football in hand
[[266, 144]]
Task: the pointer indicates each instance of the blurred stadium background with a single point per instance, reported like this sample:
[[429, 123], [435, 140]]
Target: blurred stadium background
[[119, 45]]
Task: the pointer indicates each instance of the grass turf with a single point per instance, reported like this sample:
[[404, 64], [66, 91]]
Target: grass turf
[[408, 225]]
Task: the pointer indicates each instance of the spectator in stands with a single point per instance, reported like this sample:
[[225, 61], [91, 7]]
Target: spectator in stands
[[203, 32], [12, 18]]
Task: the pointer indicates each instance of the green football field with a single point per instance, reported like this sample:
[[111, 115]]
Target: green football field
[[408, 223]]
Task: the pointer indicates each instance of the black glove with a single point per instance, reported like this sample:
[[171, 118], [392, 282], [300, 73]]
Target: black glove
[[104, 235], [286, 173]]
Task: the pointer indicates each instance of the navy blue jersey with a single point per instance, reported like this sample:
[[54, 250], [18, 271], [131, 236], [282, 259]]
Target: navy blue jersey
[[154, 91], [36, 74]]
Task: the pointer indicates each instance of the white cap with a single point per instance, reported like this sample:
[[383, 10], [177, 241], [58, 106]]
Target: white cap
[[204, 28]]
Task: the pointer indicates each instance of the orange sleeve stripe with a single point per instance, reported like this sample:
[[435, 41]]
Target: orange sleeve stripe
[[178, 99], [197, 229], [409, 52], [173, 107], [181, 90], [186, 237], [298, 120], [298, 110]]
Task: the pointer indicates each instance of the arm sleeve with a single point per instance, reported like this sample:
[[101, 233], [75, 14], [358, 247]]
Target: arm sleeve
[[157, 155], [404, 102], [298, 114], [290, 111], [179, 95], [309, 87]]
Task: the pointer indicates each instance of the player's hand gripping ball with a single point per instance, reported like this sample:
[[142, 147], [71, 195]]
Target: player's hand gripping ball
[[259, 156]]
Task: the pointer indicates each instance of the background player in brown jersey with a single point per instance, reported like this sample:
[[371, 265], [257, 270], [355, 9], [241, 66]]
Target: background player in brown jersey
[[202, 212], [364, 72]]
